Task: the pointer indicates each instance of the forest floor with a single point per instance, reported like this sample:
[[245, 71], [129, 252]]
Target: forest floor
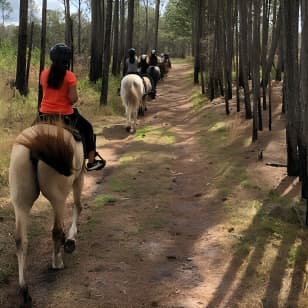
[[185, 214]]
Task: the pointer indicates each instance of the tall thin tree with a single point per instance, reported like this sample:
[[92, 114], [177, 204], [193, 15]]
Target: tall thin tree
[[106, 54], [21, 83]]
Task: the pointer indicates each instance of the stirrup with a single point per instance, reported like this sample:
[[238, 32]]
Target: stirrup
[[98, 155]]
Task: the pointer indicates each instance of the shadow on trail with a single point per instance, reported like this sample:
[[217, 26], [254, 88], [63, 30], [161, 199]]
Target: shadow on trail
[[266, 232], [115, 132]]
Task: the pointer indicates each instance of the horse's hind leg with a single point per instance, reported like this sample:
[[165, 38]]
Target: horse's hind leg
[[23, 194], [70, 242], [58, 235], [21, 240], [135, 115]]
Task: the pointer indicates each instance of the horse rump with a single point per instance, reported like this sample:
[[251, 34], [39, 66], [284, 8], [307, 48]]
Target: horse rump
[[132, 90]]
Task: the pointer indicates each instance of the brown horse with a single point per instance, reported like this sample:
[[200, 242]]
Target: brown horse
[[51, 161]]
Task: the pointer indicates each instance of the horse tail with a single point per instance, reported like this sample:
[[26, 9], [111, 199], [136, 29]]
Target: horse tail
[[132, 92], [51, 147]]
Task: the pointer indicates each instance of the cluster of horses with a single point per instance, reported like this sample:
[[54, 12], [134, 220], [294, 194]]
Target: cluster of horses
[[51, 161], [137, 89]]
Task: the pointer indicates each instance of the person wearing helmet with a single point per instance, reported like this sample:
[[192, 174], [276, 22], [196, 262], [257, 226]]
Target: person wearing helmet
[[143, 67], [59, 86], [153, 58], [143, 64], [131, 63]]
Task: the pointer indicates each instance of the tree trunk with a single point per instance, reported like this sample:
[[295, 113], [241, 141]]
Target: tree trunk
[[275, 40], [156, 24], [79, 27], [21, 83], [106, 56], [97, 27], [291, 15], [30, 45], [304, 98], [265, 27], [43, 48], [130, 24], [115, 50], [196, 39], [244, 56], [256, 70], [146, 30], [228, 47], [121, 55]]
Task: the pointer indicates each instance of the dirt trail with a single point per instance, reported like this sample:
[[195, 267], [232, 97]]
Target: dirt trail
[[160, 223]]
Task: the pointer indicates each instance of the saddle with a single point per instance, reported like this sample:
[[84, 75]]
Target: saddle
[[53, 119]]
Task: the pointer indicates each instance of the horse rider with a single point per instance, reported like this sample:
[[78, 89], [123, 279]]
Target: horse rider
[[167, 59], [59, 95], [143, 69], [131, 67], [131, 63], [153, 61]]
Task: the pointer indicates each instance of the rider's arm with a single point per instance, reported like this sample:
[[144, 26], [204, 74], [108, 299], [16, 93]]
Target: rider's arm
[[72, 94], [72, 87]]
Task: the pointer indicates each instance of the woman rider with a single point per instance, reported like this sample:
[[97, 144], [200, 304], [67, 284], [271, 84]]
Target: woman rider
[[60, 94]]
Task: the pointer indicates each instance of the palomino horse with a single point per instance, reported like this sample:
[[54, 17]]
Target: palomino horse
[[133, 95], [52, 162]]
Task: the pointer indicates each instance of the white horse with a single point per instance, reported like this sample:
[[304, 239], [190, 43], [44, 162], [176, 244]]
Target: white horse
[[133, 95], [45, 158]]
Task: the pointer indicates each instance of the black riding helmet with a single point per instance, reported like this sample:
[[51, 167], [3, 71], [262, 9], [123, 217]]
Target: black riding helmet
[[61, 54], [132, 51]]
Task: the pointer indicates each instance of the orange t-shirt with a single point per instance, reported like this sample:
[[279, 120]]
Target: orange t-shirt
[[56, 100]]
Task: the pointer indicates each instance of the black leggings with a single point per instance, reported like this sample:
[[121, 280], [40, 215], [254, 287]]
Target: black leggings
[[84, 127]]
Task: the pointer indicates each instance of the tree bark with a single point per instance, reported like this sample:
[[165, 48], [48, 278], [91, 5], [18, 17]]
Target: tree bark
[[156, 24], [115, 50], [130, 24], [43, 48], [97, 27], [106, 54], [291, 15], [244, 56], [21, 83], [256, 70]]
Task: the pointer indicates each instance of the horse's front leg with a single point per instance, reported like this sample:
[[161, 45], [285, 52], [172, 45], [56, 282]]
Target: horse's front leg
[[58, 235], [70, 242]]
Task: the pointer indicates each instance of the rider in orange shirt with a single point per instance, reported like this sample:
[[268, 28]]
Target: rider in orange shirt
[[59, 95]]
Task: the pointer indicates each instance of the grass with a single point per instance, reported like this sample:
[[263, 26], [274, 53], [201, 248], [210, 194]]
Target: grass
[[104, 199], [155, 135]]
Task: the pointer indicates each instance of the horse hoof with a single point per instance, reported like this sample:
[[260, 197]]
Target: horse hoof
[[25, 298], [69, 246]]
